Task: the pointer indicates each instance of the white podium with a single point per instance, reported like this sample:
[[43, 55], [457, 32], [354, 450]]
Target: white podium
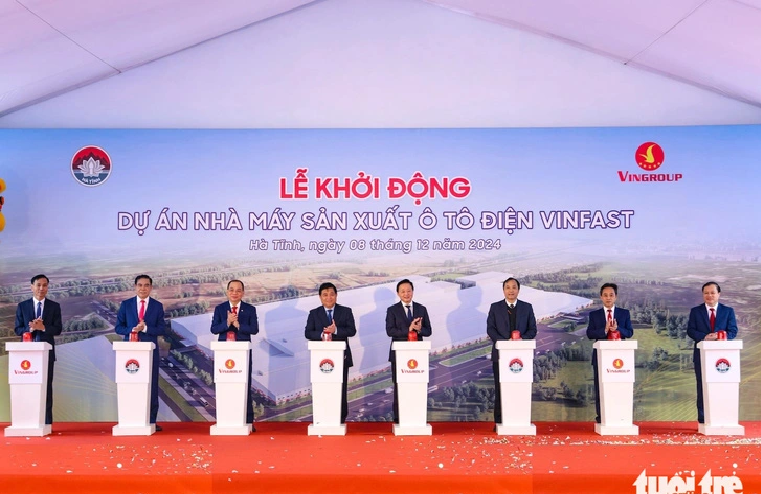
[[720, 365], [516, 375], [133, 388], [327, 371], [28, 379], [231, 384], [615, 365], [412, 376]]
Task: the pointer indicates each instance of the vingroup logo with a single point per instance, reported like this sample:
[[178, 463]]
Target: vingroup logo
[[684, 482], [618, 363], [91, 166], [26, 365], [230, 363], [649, 156], [412, 364]]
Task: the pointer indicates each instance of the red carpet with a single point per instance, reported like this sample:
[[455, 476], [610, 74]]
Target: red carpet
[[464, 457]]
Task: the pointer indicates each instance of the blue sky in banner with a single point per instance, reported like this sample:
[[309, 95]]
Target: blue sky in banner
[[528, 169]]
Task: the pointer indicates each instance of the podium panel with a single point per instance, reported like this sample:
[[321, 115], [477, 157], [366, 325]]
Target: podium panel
[[720, 366], [516, 375], [28, 378], [412, 377], [615, 364], [231, 385], [326, 372], [133, 388]]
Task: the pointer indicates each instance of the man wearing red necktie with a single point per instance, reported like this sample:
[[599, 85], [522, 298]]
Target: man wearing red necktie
[[239, 318], [603, 321], [705, 320], [144, 316]]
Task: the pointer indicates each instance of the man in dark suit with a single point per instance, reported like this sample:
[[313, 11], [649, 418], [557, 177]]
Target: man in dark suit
[[338, 321], [504, 317], [145, 316], [239, 317], [705, 320], [41, 317], [403, 318], [603, 321]]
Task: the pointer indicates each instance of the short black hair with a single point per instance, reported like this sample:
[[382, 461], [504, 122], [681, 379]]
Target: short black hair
[[143, 276], [405, 280], [327, 286], [39, 276], [233, 281], [708, 283], [609, 285], [511, 279]]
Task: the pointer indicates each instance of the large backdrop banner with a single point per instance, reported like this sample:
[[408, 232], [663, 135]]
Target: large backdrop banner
[[658, 211]]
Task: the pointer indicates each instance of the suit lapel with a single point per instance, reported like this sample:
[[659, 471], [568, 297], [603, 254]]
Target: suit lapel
[[704, 316]]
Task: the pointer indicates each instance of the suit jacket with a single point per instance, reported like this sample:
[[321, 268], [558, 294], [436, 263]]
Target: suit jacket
[[51, 318], [498, 323], [398, 326], [126, 319], [699, 325], [249, 324], [317, 320], [598, 319]]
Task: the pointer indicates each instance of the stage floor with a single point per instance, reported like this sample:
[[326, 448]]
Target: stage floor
[[463, 457]]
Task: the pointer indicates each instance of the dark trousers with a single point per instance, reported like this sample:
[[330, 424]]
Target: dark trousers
[[249, 398], [396, 393], [344, 389], [49, 393], [699, 379], [497, 393], [596, 378], [155, 385]]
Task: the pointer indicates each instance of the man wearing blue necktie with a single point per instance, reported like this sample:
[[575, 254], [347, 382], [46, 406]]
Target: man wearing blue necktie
[[338, 321], [42, 317]]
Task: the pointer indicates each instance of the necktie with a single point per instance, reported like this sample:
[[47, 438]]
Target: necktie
[[141, 313], [39, 310], [610, 315], [330, 317], [235, 310], [409, 313], [713, 319], [512, 306]]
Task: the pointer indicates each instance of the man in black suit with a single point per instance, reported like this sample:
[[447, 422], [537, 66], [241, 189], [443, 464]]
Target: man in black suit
[[504, 317], [403, 318], [41, 317], [338, 321], [601, 322], [239, 317]]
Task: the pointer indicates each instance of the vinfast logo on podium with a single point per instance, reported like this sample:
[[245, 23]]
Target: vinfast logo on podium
[[618, 367], [516, 365], [327, 366], [132, 366], [412, 367], [91, 166], [676, 484], [649, 156], [26, 368], [230, 367], [723, 365]]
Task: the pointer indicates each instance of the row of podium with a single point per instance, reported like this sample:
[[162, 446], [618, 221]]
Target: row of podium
[[28, 364]]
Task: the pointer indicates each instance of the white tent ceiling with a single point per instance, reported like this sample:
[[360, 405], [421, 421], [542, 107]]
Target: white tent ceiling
[[301, 63]]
